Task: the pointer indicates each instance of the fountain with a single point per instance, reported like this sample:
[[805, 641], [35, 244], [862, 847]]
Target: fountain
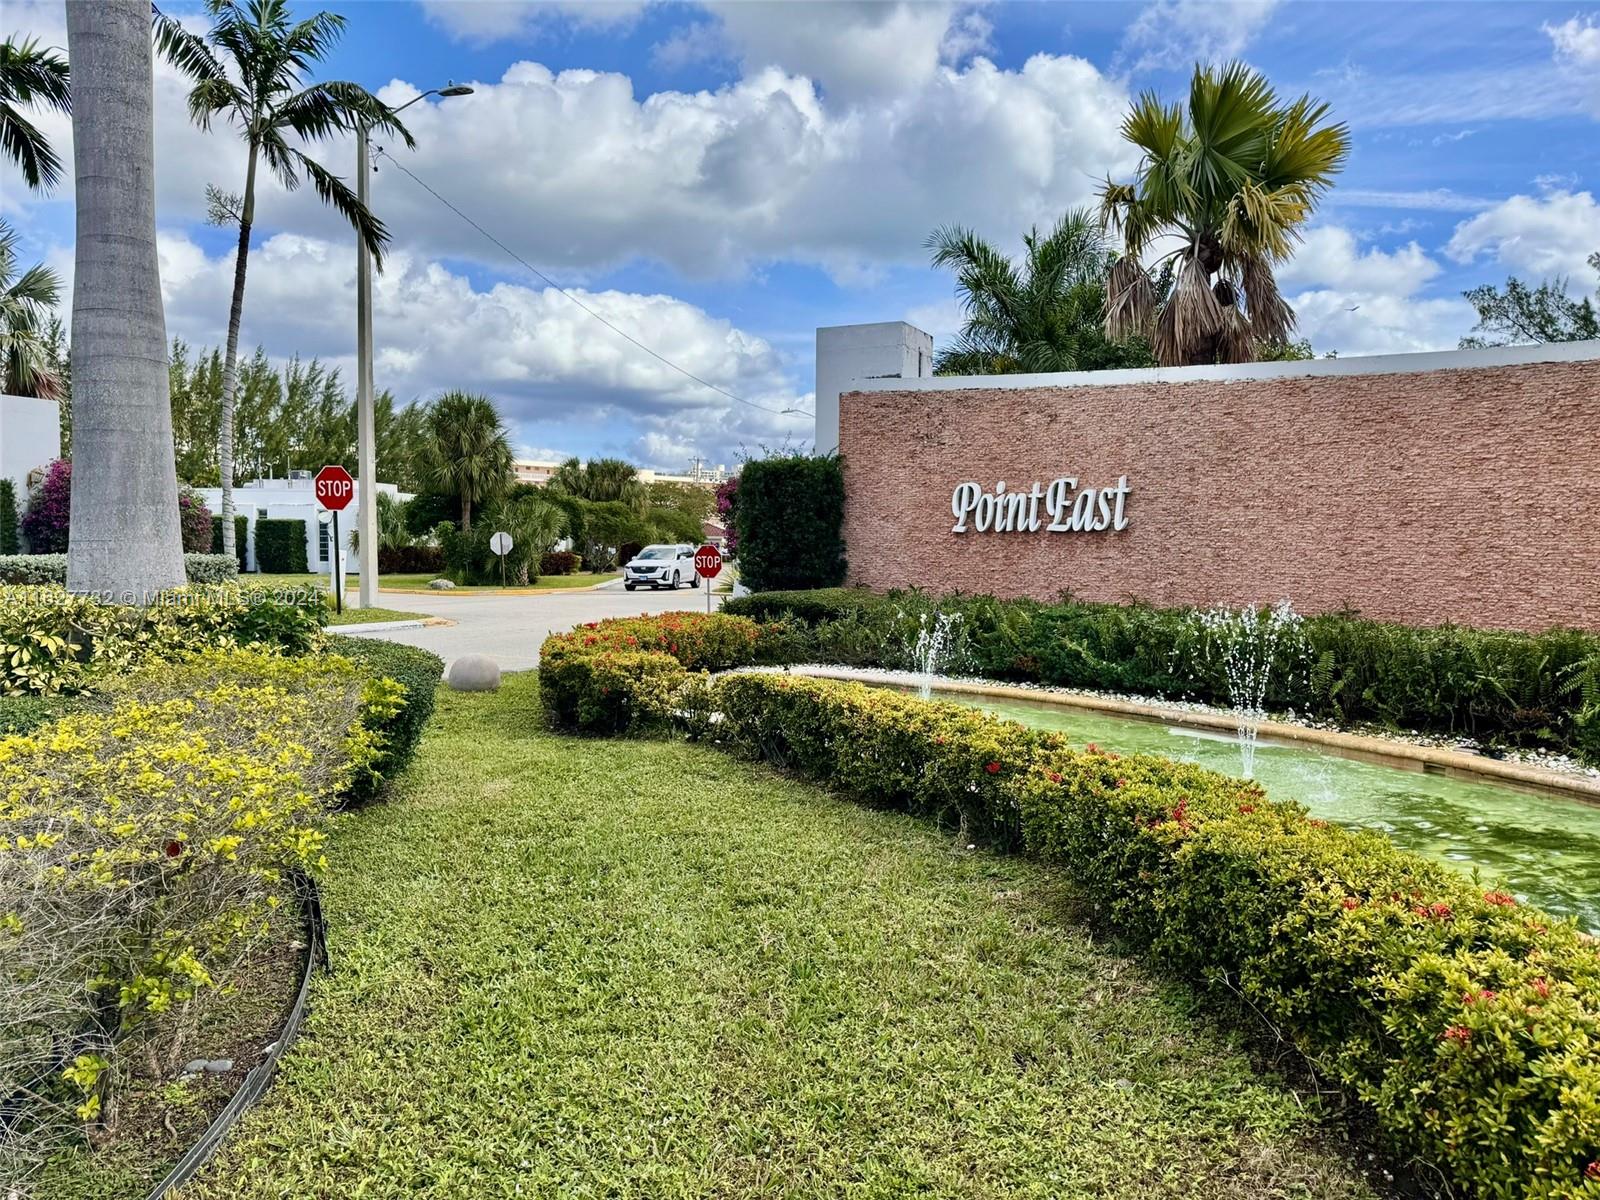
[[936, 640], [1247, 641]]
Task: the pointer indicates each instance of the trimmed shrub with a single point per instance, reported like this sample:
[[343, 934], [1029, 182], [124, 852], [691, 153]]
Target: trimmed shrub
[[418, 673], [49, 515], [789, 519], [52, 568], [1468, 1023], [410, 560], [559, 562], [52, 641], [241, 538], [19, 714], [10, 530], [281, 546], [1503, 687], [211, 568]]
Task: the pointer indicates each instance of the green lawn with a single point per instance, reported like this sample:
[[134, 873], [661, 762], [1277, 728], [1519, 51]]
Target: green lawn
[[579, 579], [641, 969], [360, 616]]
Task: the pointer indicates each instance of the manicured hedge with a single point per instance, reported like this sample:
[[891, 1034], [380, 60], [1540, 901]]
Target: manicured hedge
[[1469, 1024], [281, 546], [241, 538], [418, 672], [789, 520], [10, 530], [559, 562], [410, 560], [1502, 687], [52, 568]]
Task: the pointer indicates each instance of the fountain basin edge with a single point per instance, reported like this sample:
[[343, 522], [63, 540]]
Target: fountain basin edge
[[1383, 751]]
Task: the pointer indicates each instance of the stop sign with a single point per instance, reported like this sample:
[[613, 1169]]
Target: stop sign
[[335, 487], [707, 561]]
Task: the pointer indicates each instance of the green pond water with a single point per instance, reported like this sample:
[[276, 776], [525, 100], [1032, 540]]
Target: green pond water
[[1541, 847]]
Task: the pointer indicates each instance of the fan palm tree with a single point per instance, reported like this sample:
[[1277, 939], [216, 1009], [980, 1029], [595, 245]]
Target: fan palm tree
[[249, 70], [1232, 179], [124, 536], [1042, 314], [30, 75], [534, 525], [600, 479], [26, 302], [470, 453]]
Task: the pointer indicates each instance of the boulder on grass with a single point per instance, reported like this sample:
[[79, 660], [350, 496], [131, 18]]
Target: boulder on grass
[[440, 585], [473, 673]]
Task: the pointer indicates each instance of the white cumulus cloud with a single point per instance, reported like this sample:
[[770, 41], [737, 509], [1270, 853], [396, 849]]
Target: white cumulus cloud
[[1547, 235]]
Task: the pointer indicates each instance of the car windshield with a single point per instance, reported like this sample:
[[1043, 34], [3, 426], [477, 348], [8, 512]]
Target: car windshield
[[655, 552]]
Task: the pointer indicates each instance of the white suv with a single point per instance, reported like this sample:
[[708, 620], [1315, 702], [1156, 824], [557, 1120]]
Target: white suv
[[661, 566]]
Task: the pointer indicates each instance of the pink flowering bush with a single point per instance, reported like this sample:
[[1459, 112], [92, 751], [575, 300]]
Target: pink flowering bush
[[49, 513], [727, 492]]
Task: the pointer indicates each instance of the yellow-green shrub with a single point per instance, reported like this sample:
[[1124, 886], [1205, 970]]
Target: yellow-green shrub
[[52, 641], [144, 843]]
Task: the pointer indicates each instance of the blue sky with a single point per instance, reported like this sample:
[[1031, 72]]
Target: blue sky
[[719, 179]]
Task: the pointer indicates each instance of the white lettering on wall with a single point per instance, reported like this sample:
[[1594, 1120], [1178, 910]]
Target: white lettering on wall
[[1070, 509]]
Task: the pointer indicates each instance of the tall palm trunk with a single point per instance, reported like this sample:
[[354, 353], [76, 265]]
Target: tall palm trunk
[[230, 366], [124, 534]]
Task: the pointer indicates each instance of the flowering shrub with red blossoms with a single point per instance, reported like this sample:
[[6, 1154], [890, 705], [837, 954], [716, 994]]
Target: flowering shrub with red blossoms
[[1470, 1024]]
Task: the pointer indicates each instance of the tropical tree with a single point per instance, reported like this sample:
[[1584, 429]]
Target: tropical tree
[[249, 69], [600, 479], [1231, 179], [30, 75], [27, 302], [534, 525], [469, 452], [1042, 314], [125, 538], [1522, 315]]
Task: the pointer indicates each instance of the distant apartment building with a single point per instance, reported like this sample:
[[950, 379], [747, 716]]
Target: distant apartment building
[[701, 474]]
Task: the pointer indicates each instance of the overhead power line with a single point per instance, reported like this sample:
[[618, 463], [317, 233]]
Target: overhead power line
[[620, 332]]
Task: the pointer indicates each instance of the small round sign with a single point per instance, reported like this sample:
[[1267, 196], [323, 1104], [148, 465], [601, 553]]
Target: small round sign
[[708, 561], [500, 543]]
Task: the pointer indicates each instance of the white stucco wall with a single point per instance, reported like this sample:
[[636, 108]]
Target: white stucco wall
[[846, 353], [30, 436], [291, 500]]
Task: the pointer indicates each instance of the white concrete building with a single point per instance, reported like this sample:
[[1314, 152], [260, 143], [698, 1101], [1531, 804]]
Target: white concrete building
[[848, 354], [294, 499], [30, 437]]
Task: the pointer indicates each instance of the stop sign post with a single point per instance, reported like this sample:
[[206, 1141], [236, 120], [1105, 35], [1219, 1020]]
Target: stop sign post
[[708, 565], [334, 490]]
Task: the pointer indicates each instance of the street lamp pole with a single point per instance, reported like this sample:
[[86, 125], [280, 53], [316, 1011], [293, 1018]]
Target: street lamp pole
[[366, 419]]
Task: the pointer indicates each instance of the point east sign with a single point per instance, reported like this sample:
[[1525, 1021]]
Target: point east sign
[[334, 488], [1067, 508]]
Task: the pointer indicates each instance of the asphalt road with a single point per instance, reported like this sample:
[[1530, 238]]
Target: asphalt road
[[510, 629]]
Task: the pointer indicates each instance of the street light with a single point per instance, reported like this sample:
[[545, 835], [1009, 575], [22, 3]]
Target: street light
[[366, 423]]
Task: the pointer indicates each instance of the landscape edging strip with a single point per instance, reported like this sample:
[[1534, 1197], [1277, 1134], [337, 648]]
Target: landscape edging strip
[[255, 1083]]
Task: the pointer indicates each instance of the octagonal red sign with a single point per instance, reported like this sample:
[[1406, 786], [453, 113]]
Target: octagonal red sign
[[335, 488]]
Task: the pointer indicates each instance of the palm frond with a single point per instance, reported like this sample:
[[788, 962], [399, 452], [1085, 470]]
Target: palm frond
[[1191, 319], [29, 76], [1271, 318], [187, 51], [1130, 301], [337, 195], [327, 108]]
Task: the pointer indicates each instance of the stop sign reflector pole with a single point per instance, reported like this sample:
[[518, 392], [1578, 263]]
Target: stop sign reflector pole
[[335, 489], [708, 565]]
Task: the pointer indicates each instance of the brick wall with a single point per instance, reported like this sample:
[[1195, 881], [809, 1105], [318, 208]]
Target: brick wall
[[1469, 495]]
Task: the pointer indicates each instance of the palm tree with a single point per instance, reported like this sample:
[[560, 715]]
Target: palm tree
[[26, 303], [248, 69], [1040, 315], [29, 75], [470, 453], [124, 537], [534, 525], [1232, 179], [601, 479]]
